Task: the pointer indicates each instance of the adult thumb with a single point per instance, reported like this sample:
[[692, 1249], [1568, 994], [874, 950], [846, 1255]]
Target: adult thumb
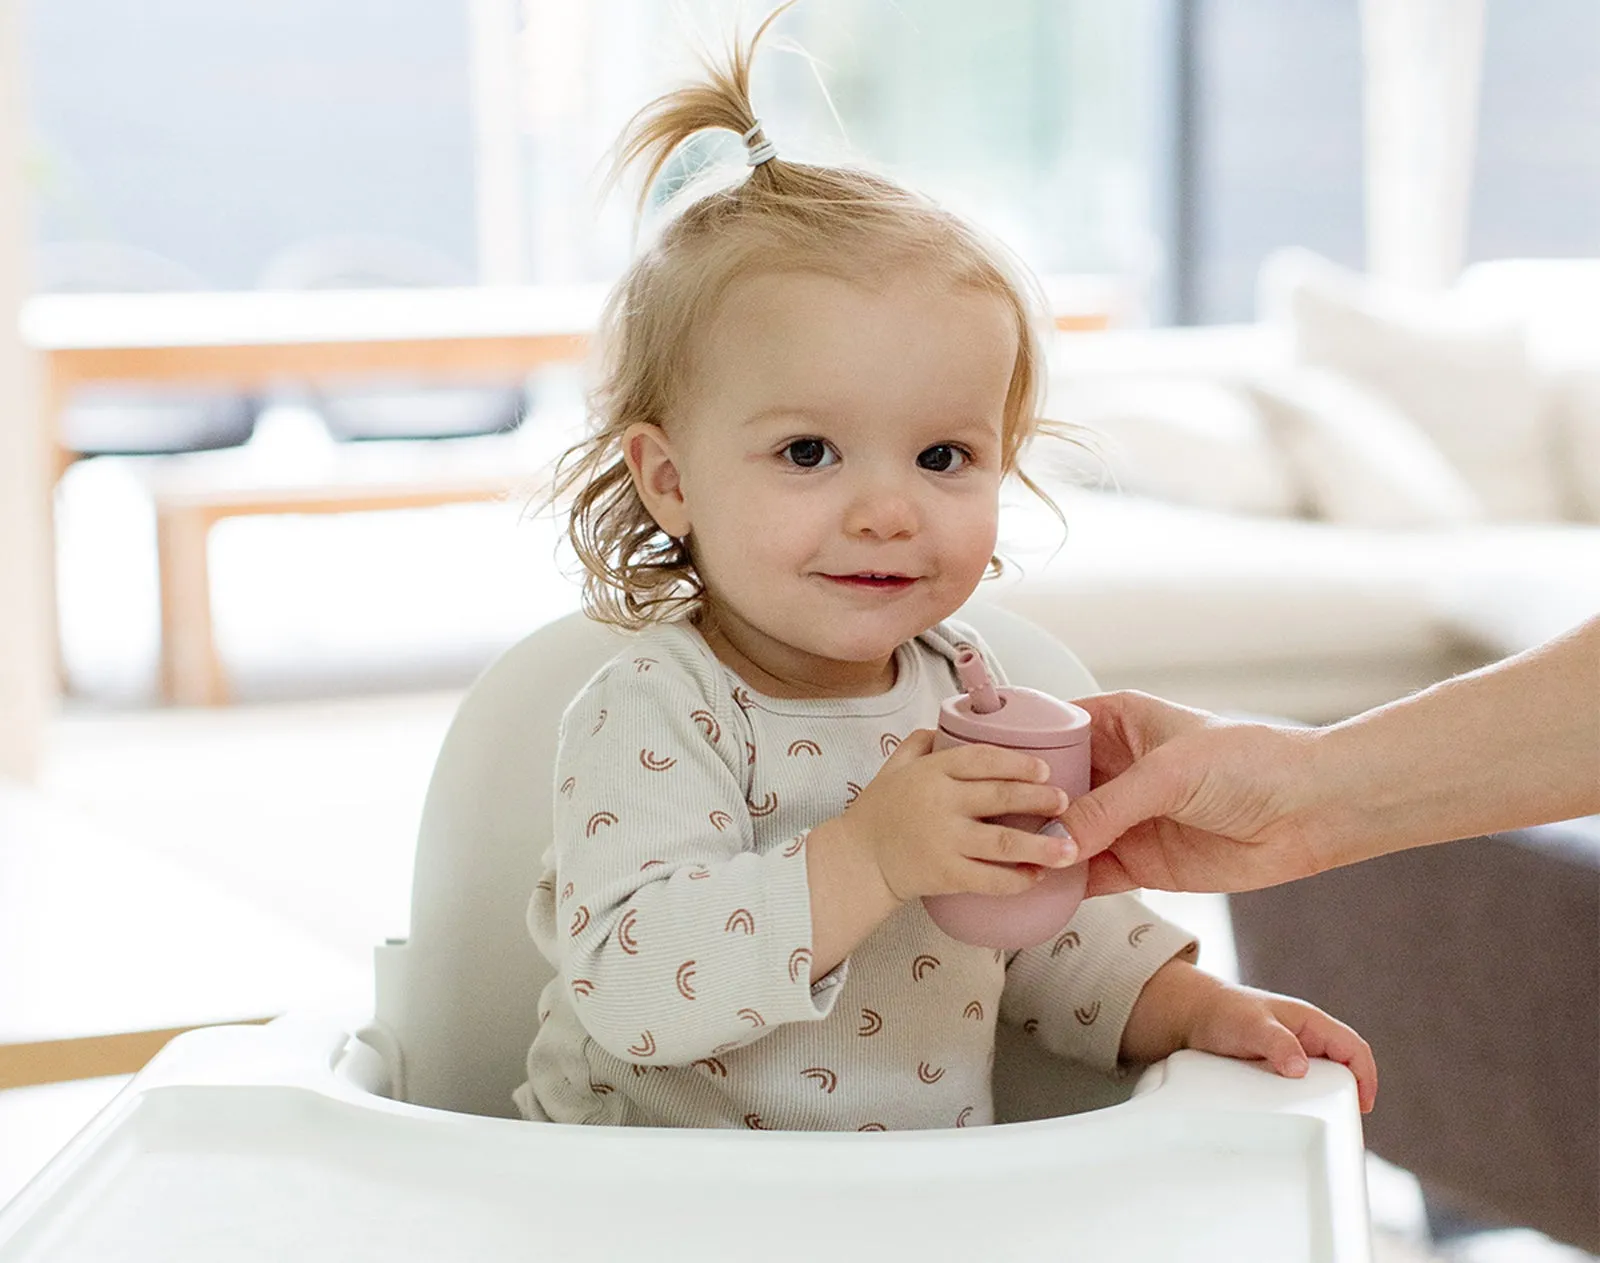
[[1097, 819]]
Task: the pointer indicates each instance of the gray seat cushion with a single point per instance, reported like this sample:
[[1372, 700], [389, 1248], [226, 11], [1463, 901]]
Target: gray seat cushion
[[1473, 968]]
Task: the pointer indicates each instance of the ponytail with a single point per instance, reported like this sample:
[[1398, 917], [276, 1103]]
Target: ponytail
[[721, 100]]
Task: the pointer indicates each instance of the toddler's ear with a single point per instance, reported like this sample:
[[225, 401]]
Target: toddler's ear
[[654, 470]]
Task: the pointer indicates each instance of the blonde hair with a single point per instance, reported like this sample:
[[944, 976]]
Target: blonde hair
[[785, 216]]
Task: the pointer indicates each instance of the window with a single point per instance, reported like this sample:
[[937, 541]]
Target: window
[[1031, 116]]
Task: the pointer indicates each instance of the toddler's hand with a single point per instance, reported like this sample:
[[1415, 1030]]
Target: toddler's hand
[[1204, 1012], [922, 819]]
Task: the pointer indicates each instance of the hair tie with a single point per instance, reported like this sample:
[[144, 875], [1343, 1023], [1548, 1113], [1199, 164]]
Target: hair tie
[[757, 154]]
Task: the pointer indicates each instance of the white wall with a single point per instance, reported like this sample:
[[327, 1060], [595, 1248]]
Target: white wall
[[26, 658]]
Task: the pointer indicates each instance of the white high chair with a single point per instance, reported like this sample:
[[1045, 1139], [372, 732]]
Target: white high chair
[[307, 1139]]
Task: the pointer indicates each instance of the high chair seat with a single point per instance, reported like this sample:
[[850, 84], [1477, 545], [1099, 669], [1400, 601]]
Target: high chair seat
[[322, 1139]]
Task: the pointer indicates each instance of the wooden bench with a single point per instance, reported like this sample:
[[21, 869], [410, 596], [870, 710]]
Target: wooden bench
[[253, 340], [192, 493]]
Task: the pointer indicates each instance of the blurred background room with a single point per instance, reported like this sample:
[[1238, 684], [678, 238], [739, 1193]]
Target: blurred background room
[[299, 303]]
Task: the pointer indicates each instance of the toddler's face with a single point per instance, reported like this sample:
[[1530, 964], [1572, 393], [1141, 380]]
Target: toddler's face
[[837, 469]]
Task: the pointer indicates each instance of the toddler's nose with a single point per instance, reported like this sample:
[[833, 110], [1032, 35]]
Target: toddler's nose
[[881, 510]]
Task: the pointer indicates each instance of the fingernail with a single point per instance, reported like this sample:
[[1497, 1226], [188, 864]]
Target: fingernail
[[1061, 801], [1068, 845], [1296, 1066], [1041, 770]]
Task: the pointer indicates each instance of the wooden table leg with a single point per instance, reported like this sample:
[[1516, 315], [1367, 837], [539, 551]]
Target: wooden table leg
[[191, 674], [54, 394]]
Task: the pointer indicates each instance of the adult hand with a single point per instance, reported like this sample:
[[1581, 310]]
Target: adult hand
[[1190, 801], [1186, 800]]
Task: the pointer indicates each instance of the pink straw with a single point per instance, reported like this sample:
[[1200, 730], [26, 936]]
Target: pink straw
[[974, 677]]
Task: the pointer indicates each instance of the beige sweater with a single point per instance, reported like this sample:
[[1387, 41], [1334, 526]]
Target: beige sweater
[[676, 911]]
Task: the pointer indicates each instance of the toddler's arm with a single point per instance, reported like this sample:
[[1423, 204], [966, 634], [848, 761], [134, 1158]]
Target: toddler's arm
[[676, 938]]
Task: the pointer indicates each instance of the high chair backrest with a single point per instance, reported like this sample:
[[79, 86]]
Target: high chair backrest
[[459, 997]]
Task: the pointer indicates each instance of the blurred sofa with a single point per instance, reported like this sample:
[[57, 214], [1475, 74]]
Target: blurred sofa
[[1361, 493]]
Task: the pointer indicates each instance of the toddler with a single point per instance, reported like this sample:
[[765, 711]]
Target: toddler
[[815, 384]]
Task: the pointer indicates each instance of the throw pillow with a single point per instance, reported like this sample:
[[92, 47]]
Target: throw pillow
[[1466, 381], [1360, 460], [1193, 441]]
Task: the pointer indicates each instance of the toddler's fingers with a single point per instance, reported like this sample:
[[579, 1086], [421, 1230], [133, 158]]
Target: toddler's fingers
[[982, 799], [992, 763], [918, 741], [1323, 1036], [984, 877], [1273, 1042], [1000, 845]]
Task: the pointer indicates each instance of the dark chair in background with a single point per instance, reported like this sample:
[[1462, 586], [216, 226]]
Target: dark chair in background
[[1473, 968], [395, 409]]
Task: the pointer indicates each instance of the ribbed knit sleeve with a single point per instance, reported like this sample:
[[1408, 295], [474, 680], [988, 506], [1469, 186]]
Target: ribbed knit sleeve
[[1074, 993], [676, 939]]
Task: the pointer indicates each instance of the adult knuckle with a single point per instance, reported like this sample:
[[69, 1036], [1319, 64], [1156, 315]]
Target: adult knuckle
[[1093, 813]]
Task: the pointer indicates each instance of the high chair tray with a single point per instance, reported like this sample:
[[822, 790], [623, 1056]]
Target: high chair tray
[[205, 1157]]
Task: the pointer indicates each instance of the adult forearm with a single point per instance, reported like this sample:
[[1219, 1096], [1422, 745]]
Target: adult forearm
[[849, 898], [1514, 744]]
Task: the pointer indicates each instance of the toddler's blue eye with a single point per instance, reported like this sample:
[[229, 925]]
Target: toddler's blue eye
[[942, 458], [807, 453]]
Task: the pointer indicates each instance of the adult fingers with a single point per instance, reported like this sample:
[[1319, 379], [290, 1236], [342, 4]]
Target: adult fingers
[[1126, 724], [1108, 876], [1149, 788]]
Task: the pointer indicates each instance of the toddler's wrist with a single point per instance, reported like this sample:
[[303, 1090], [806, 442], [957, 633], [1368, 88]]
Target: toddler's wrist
[[851, 848], [1168, 1010]]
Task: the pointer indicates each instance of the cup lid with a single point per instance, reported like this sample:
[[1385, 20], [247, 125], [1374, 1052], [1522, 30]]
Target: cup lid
[[1026, 718]]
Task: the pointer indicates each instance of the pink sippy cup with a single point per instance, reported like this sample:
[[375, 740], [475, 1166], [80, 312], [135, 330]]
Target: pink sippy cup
[[1058, 733]]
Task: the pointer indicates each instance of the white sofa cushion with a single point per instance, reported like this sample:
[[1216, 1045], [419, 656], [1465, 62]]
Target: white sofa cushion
[[1507, 587], [1312, 620], [1187, 440], [1359, 458], [1560, 300], [1464, 378], [1138, 585], [1577, 421]]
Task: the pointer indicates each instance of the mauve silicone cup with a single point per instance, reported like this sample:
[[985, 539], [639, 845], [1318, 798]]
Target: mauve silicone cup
[[1058, 733]]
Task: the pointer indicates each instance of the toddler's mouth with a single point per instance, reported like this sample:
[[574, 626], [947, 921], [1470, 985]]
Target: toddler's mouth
[[873, 580]]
